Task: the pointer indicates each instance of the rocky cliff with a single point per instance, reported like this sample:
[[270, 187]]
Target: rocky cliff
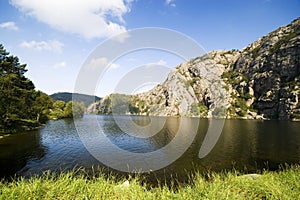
[[259, 81]]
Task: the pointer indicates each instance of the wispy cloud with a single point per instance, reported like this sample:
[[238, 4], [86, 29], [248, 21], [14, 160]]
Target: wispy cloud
[[170, 3], [90, 19], [158, 63], [60, 65], [101, 62], [51, 45], [9, 25]]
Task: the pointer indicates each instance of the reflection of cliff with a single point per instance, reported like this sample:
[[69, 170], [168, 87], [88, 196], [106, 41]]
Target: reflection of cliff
[[255, 145], [16, 150], [168, 132]]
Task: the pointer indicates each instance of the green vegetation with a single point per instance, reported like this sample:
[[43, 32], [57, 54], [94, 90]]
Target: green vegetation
[[240, 103], [282, 41], [255, 52], [239, 106], [193, 81], [67, 96], [71, 109], [231, 185], [199, 109], [295, 116], [120, 103], [219, 112], [74, 109], [21, 106], [234, 78]]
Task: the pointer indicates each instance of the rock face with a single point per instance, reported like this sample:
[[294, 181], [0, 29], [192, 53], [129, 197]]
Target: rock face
[[259, 81]]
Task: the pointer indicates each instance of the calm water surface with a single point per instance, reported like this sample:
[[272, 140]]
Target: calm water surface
[[244, 144]]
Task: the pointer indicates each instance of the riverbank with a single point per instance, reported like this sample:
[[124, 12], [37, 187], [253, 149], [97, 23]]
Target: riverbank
[[21, 125], [283, 184]]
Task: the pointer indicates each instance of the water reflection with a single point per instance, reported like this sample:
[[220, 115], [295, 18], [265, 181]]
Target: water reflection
[[243, 144], [17, 149], [252, 145], [130, 143]]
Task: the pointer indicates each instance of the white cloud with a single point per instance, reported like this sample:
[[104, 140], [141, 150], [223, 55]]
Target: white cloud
[[88, 18], [51, 45], [60, 65], [9, 25], [158, 63], [121, 37], [114, 66], [161, 62], [101, 63], [170, 3]]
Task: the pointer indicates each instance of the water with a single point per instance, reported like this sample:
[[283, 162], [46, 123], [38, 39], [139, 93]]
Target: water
[[244, 144]]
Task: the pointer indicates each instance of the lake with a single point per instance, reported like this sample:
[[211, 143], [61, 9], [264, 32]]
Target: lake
[[247, 145]]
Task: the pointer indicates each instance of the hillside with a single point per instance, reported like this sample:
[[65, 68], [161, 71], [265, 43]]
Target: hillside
[[66, 96], [259, 81]]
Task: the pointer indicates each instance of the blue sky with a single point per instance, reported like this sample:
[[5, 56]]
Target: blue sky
[[54, 37]]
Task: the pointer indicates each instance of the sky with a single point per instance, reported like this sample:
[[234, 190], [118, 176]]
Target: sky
[[55, 37]]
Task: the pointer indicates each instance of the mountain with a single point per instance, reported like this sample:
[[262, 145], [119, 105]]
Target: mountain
[[66, 96], [259, 81]]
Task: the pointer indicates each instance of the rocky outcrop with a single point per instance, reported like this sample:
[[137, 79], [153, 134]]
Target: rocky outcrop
[[272, 67], [259, 81]]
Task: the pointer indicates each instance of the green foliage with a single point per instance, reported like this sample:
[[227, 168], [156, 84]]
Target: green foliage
[[282, 41], [74, 109], [234, 78], [68, 111], [255, 52], [203, 109], [120, 103], [295, 116], [71, 109], [284, 184], [219, 112], [194, 109], [59, 105], [199, 110], [67, 96], [239, 107], [19, 102], [57, 112], [133, 109], [194, 81], [43, 104]]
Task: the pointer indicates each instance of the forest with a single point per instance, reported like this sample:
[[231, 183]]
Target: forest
[[22, 107]]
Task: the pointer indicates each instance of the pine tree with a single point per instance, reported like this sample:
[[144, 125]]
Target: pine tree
[[19, 102]]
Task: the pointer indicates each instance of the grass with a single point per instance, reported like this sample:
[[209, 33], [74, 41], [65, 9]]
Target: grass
[[284, 184]]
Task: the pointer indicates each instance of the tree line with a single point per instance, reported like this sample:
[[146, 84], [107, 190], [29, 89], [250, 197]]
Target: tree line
[[23, 107]]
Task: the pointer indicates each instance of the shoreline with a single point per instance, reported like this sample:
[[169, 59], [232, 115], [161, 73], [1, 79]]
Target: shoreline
[[225, 118]]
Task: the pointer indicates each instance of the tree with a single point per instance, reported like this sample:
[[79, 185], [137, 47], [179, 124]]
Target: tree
[[42, 105], [16, 91], [57, 112], [20, 104], [74, 109]]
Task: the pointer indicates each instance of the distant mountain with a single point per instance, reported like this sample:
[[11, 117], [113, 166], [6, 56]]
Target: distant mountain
[[259, 81], [67, 96]]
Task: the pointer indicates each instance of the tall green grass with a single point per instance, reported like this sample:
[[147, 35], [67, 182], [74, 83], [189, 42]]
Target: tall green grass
[[284, 184]]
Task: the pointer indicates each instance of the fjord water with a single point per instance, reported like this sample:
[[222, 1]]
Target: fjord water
[[244, 144]]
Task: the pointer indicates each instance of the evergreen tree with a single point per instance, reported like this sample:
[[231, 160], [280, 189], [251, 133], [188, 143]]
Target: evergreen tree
[[20, 104]]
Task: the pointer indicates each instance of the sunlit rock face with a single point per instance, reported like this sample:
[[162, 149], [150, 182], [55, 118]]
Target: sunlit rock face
[[259, 81]]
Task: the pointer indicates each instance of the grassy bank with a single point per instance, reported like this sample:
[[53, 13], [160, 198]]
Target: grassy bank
[[284, 184]]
